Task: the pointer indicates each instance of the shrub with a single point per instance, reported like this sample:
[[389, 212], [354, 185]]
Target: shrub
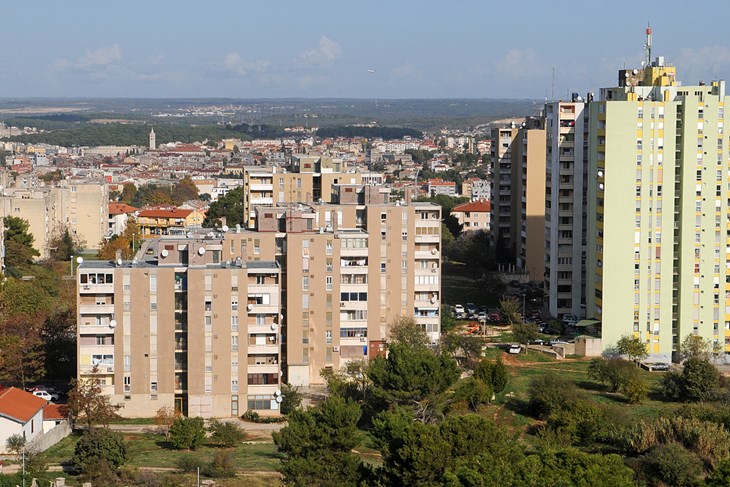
[[672, 464], [221, 466], [225, 433], [550, 393], [254, 417], [291, 398], [190, 463], [621, 376], [698, 381], [187, 433], [99, 449], [473, 392]]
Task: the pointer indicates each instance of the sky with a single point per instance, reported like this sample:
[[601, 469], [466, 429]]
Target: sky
[[349, 48]]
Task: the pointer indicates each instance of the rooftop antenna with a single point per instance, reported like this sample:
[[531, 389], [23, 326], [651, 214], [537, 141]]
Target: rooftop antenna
[[647, 47], [552, 93]]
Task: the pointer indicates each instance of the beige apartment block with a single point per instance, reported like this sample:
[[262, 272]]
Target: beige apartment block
[[77, 205], [209, 323], [308, 181], [183, 329]]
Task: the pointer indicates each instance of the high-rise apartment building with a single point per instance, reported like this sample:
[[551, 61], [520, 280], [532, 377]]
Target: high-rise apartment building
[[566, 125], [308, 179], [658, 210], [501, 160], [321, 284]]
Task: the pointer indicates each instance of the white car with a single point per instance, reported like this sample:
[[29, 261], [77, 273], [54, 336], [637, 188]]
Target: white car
[[459, 309], [43, 395], [515, 348]]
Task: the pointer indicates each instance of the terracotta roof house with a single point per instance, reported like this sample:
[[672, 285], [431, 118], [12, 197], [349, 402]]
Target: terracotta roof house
[[474, 215], [21, 413]]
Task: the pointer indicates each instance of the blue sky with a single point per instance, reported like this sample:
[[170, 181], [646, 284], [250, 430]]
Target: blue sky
[[322, 48]]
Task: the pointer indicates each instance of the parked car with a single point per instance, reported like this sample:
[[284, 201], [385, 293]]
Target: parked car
[[514, 348], [459, 309], [45, 395], [482, 316], [569, 318], [494, 317], [471, 309], [538, 341], [657, 366]]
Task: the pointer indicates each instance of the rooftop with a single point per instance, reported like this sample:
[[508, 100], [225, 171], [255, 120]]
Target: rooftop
[[18, 405]]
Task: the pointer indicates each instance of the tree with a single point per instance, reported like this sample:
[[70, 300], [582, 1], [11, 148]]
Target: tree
[[22, 357], [405, 331], [58, 336], [226, 433], [128, 242], [88, 405], [694, 346], [632, 346], [16, 444], [672, 464], [512, 309], [222, 466], [99, 451], [129, 190], [621, 376], [551, 393], [164, 418], [318, 442], [64, 246], [291, 398], [187, 433], [19, 251], [184, 190], [229, 206], [697, 382], [525, 332]]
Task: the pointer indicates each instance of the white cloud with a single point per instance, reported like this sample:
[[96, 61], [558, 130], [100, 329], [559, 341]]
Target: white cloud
[[327, 51], [101, 56], [405, 70], [702, 63], [235, 66], [520, 63]]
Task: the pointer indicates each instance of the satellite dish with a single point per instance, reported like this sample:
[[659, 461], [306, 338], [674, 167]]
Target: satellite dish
[[277, 392], [434, 251], [636, 71], [224, 228], [112, 323], [119, 261], [249, 307], [433, 299], [164, 253], [273, 327], [201, 250], [600, 186], [79, 260], [600, 174], [279, 399]]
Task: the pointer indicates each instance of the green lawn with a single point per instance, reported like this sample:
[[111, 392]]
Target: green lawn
[[150, 450]]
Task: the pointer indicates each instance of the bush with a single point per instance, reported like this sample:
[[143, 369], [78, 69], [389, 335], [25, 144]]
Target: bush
[[291, 398], [187, 433], [225, 433], [190, 463], [550, 393], [221, 466], [254, 417], [698, 381], [672, 464], [473, 392], [99, 450]]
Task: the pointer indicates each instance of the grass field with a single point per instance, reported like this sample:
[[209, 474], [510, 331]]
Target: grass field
[[151, 450], [509, 407]]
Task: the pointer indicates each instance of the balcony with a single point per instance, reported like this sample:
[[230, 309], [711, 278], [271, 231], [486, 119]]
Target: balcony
[[88, 288], [427, 238], [262, 187], [354, 341], [96, 309], [263, 349], [262, 201], [426, 254], [104, 369], [102, 329], [256, 309], [361, 252], [263, 369]]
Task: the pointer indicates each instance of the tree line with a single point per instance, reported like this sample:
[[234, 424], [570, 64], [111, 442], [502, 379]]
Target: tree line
[[388, 133]]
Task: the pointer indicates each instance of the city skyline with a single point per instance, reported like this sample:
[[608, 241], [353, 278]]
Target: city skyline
[[374, 50]]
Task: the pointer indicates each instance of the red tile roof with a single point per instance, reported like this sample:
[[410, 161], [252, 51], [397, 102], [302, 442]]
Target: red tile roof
[[18, 405], [119, 208], [473, 206], [174, 213], [54, 411]]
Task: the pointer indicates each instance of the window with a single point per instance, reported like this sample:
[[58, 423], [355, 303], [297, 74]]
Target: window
[[234, 385], [262, 402], [261, 379], [328, 283], [305, 283]]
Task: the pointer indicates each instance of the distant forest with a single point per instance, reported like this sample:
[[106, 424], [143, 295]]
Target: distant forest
[[369, 132]]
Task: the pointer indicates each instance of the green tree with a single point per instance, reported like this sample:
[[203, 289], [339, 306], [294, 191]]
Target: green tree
[[621, 376], [16, 444], [291, 398], [19, 251], [22, 359], [550, 393], [318, 443], [405, 331], [525, 332], [720, 477], [88, 405], [632, 346], [694, 346], [63, 245], [129, 190], [187, 433], [699, 379], [673, 465], [512, 309], [229, 206], [58, 336], [226, 433], [99, 451]]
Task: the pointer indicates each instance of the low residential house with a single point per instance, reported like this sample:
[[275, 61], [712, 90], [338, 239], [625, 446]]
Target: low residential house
[[21, 413], [119, 214], [168, 221], [473, 215], [53, 415], [437, 186]]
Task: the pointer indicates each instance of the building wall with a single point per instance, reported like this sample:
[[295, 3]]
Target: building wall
[[31, 429]]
